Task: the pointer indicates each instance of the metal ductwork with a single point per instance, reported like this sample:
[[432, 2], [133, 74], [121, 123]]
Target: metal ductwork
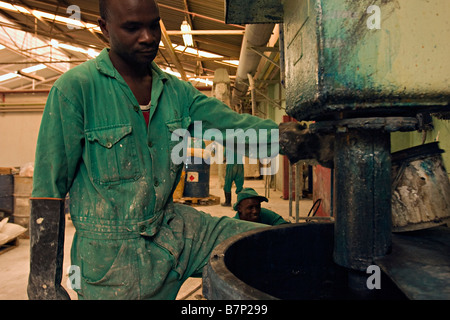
[[256, 35]]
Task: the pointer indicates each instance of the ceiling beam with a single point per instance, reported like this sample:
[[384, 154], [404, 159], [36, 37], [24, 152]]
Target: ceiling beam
[[58, 36], [31, 57], [200, 68], [173, 56], [198, 15]]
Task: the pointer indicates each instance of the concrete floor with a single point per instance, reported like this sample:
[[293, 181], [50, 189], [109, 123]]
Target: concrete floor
[[14, 264]]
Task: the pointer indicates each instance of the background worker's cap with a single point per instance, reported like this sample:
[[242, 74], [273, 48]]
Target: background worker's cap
[[248, 193]]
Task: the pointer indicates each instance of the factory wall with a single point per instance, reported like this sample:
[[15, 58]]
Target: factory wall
[[19, 129], [275, 112]]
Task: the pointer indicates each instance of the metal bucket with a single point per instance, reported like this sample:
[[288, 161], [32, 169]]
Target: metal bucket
[[197, 178], [420, 188]]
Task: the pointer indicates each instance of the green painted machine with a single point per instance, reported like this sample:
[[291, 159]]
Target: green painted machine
[[361, 70]]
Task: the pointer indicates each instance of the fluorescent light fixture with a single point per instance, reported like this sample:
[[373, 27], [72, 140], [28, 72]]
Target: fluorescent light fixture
[[2, 47], [191, 78], [7, 6], [234, 63], [61, 19], [169, 71], [54, 43], [40, 14], [71, 48], [187, 36], [8, 76], [13, 7], [205, 81], [34, 68], [90, 52], [196, 52], [24, 72]]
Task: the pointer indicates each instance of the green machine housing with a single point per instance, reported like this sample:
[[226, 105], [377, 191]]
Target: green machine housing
[[349, 58]]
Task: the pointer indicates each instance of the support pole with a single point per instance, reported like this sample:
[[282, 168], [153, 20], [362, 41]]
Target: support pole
[[252, 92], [298, 190], [290, 189]]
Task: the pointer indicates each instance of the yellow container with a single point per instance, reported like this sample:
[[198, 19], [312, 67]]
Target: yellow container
[[178, 193]]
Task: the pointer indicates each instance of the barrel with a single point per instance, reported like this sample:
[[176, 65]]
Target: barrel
[[22, 208], [197, 178], [6, 193], [420, 188]]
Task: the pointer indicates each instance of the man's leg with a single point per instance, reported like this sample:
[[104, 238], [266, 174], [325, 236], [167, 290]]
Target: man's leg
[[227, 185], [188, 240], [202, 233], [239, 177]]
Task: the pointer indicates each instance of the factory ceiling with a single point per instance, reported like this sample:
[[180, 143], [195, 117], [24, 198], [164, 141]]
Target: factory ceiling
[[41, 39]]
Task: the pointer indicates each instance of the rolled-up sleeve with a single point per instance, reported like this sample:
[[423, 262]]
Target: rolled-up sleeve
[[214, 114], [59, 147]]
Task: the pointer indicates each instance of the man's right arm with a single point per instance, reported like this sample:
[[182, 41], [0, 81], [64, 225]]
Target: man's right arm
[[58, 151]]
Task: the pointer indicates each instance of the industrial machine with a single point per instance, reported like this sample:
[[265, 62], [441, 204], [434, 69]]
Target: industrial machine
[[360, 70]]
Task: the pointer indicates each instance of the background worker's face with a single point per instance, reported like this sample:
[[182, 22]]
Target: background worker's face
[[249, 209], [133, 30]]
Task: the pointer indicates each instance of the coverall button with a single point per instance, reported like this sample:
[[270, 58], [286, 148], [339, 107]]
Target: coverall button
[[108, 145], [136, 108], [156, 183], [150, 144], [142, 228]]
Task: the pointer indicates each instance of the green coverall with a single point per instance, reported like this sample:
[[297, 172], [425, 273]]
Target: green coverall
[[131, 240], [234, 172]]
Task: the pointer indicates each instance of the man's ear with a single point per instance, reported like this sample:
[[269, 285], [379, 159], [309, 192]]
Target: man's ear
[[103, 27]]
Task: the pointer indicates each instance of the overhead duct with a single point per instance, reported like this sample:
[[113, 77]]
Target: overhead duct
[[256, 35]]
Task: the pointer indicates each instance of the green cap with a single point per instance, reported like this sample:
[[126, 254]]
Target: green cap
[[248, 193]]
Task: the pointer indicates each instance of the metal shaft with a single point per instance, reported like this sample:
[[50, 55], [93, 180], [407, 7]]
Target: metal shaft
[[363, 197]]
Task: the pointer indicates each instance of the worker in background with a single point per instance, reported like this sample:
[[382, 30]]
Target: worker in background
[[234, 173], [248, 207], [131, 240]]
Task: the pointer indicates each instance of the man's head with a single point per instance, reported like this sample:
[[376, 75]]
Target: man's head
[[132, 28], [248, 204]]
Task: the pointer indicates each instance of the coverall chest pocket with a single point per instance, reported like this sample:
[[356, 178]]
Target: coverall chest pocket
[[112, 154]]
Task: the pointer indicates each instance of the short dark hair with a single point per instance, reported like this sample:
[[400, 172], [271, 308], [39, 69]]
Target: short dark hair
[[103, 8]]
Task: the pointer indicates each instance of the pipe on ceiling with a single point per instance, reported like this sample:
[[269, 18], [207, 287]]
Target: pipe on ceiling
[[256, 35]]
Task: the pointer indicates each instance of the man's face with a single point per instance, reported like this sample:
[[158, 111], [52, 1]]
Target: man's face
[[249, 209], [133, 30]]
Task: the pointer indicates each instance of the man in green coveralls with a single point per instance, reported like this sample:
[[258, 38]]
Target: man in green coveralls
[[234, 172], [131, 240], [248, 207]]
